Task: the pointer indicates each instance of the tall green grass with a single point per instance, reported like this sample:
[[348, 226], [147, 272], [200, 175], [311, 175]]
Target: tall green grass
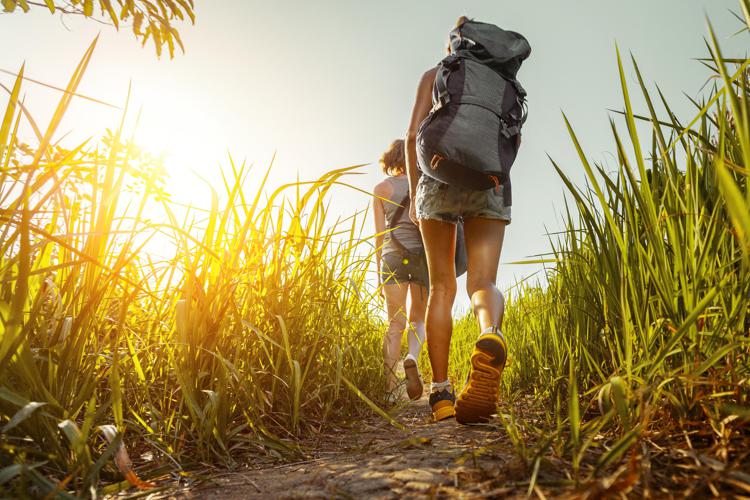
[[642, 330], [237, 343], [260, 327]]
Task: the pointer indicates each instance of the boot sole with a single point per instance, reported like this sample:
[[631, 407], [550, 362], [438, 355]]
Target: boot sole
[[443, 410], [414, 387], [489, 355]]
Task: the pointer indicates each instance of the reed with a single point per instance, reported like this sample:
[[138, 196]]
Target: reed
[[259, 325], [642, 329], [236, 343]]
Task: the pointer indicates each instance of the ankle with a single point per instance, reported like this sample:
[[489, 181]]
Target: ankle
[[492, 330], [440, 386]]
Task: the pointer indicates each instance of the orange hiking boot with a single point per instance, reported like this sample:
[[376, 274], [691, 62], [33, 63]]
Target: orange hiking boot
[[478, 399], [442, 404], [414, 387]]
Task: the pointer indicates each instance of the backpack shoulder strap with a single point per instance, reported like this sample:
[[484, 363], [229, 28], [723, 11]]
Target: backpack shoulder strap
[[441, 97], [399, 211], [400, 248]]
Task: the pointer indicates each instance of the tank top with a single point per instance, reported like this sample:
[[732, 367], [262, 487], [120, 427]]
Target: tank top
[[404, 229]]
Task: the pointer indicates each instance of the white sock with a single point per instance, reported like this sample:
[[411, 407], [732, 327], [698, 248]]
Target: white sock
[[492, 329], [440, 386], [415, 336]]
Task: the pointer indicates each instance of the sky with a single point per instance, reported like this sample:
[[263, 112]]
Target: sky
[[328, 84]]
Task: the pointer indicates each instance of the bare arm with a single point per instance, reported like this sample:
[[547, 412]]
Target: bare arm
[[422, 106], [382, 190]]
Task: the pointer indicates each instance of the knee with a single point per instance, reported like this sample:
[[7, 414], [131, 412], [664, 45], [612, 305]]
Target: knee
[[443, 289]]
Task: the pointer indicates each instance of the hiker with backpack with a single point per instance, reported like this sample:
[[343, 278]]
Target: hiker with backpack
[[463, 137], [402, 271]]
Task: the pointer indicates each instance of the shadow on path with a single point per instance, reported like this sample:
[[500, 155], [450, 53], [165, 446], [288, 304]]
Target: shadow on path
[[377, 460]]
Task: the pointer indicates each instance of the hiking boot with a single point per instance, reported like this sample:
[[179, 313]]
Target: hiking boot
[[414, 387], [442, 405], [478, 399]]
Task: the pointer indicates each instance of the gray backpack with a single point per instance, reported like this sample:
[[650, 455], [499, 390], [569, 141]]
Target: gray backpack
[[472, 134]]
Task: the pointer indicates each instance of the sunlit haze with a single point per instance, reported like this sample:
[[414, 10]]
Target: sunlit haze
[[329, 84]]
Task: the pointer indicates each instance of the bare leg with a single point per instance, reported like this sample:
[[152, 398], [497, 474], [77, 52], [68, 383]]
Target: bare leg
[[440, 246], [395, 301], [416, 332], [477, 401], [484, 241]]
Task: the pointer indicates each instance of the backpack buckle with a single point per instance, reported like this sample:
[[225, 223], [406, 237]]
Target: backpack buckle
[[509, 131], [450, 60]]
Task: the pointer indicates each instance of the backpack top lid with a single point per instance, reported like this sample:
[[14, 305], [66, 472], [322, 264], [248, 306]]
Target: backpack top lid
[[501, 50]]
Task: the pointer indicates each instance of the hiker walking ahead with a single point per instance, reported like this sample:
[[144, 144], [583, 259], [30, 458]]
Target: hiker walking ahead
[[402, 271], [464, 135]]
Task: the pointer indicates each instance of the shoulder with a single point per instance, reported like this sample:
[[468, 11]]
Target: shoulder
[[384, 189], [428, 77], [424, 90]]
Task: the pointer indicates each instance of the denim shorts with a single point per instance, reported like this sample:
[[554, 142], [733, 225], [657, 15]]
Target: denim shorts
[[436, 200], [396, 269]]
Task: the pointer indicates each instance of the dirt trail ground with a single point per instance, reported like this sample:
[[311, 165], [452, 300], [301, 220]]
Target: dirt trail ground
[[376, 460]]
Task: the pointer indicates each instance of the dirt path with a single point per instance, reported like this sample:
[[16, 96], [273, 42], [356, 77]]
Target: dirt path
[[376, 460]]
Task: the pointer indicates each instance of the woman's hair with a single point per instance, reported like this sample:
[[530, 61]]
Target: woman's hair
[[393, 160]]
